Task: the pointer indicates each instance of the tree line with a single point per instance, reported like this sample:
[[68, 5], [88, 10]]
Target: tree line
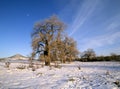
[[90, 55]]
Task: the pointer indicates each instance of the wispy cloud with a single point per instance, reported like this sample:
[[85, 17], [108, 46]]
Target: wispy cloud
[[112, 23], [99, 41], [83, 14], [110, 36]]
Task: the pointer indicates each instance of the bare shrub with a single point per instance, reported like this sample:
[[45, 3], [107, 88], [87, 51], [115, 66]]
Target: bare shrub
[[7, 64], [71, 79], [33, 68], [31, 65], [57, 64], [39, 74], [21, 67], [107, 73], [37, 66], [79, 67]]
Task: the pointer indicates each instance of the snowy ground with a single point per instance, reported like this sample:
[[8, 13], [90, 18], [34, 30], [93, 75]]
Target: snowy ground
[[92, 75]]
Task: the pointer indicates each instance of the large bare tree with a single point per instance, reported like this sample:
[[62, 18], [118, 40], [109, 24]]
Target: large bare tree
[[43, 35]]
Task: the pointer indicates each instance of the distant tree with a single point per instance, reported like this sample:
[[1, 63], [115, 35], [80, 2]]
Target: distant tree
[[113, 56], [43, 35], [89, 54]]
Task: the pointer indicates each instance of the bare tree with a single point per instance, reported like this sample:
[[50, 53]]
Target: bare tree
[[69, 49], [43, 35], [63, 48], [89, 54]]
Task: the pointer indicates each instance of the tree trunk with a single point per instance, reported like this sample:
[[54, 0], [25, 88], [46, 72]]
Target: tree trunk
[[47, 54], [64, 60], [47, 63], [47, 59]]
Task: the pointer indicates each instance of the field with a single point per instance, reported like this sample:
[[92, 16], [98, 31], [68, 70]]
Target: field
[[75, 75]]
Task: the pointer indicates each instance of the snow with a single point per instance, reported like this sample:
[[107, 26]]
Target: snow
[[92, 75]]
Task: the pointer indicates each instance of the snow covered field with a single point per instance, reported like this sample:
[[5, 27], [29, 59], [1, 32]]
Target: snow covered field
[[92, 75]]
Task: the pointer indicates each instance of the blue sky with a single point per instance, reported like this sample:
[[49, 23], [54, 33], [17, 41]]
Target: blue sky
[[92, 23]]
